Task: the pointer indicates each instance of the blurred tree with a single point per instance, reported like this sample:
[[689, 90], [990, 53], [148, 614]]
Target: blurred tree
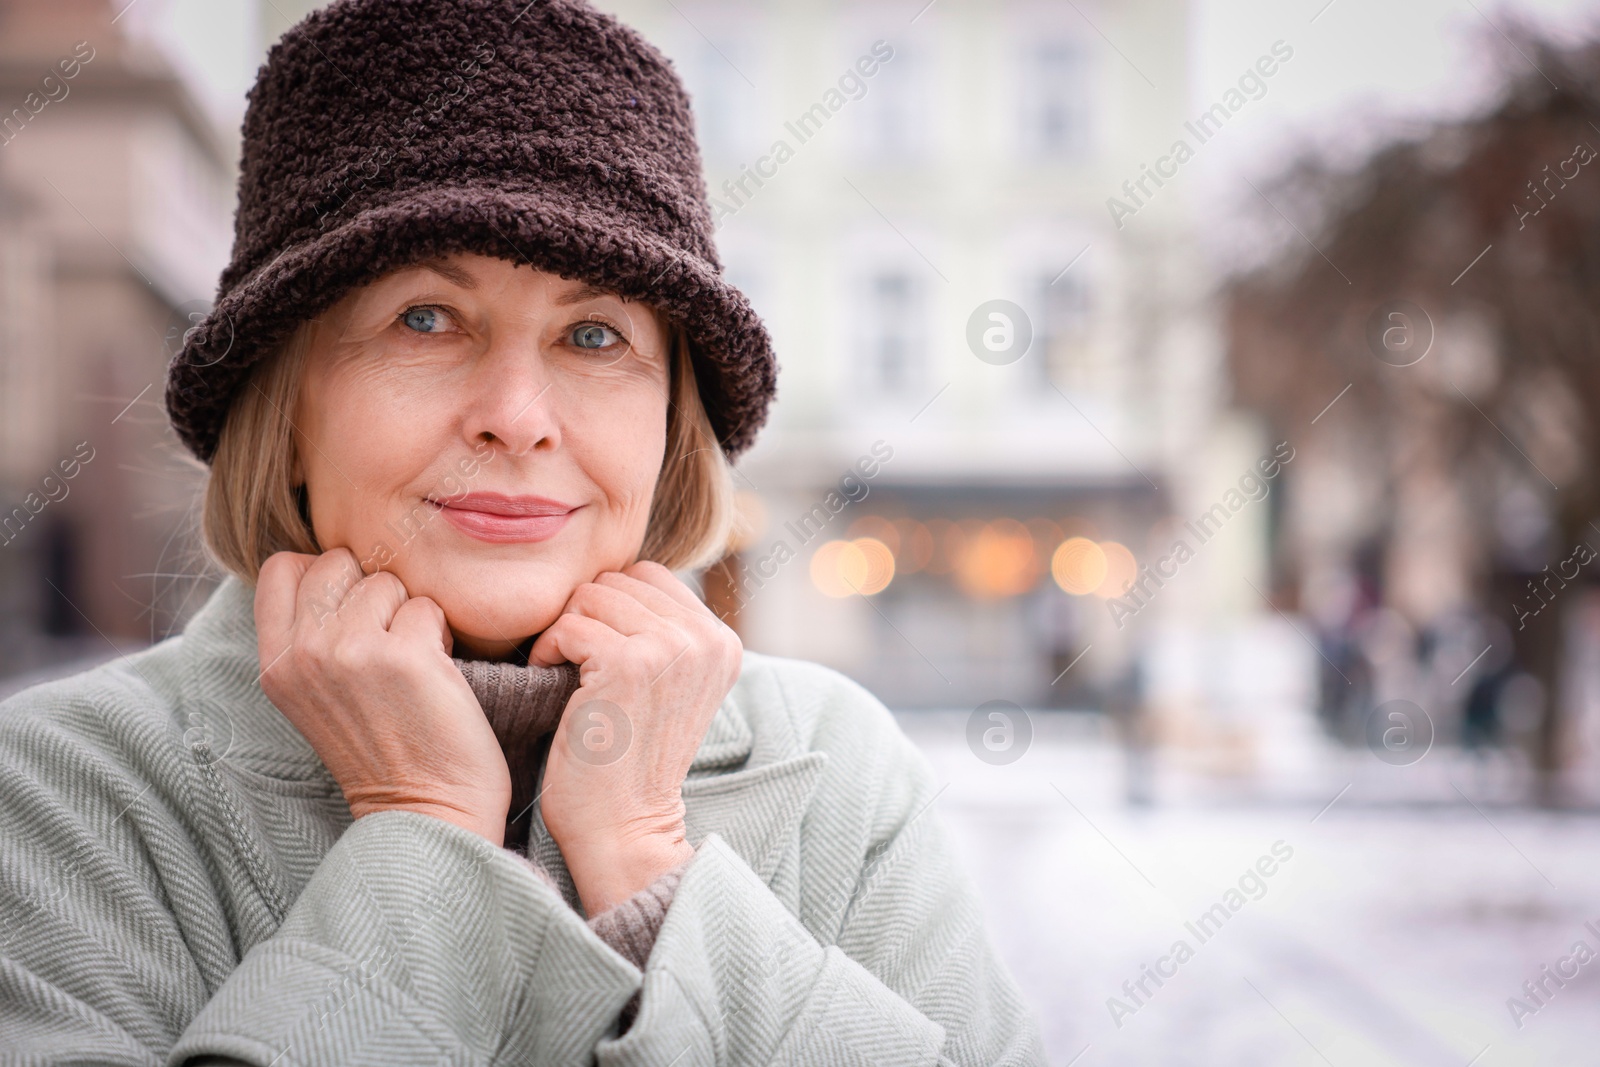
[[1451, 283]]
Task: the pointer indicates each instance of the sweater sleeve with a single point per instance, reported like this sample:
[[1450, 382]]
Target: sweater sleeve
[[631, 926], [417, 939]]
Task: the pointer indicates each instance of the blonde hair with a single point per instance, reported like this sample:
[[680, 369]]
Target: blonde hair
[[253, 508]]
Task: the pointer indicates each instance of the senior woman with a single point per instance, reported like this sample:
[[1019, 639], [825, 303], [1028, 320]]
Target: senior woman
[[452, 768]]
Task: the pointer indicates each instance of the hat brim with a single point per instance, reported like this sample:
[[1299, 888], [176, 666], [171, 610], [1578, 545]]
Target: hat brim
[[732, 352]]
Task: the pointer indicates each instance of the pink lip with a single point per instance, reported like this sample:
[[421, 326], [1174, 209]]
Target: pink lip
[[505, 519]]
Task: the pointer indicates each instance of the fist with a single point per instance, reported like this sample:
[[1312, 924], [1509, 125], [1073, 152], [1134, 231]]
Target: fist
[[654, 666], [363, 671]]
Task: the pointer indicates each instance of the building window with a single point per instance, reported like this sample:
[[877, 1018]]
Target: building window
[[894, 123], [1061, 333], [893, 338], [1055, 99]]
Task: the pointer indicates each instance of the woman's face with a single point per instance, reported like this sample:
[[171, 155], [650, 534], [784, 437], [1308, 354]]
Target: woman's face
[[489, 433]]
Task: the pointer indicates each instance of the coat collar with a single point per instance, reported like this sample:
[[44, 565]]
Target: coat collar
[[226, 714], [756, 811]]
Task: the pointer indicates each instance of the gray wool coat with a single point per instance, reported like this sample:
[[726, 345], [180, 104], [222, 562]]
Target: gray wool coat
[[181, 882]]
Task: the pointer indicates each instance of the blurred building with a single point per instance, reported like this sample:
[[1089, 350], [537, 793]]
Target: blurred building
[[880, 175], [115, 199], [1445, 509]]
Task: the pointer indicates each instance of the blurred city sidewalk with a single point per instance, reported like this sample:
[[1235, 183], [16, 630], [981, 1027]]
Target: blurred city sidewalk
[[1415, 902]]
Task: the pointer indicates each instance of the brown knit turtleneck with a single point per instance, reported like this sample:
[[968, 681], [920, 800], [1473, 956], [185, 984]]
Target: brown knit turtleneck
[[524, 706]]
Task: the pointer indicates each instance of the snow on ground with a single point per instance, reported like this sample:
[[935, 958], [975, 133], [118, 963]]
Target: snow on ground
[[1404, 918]]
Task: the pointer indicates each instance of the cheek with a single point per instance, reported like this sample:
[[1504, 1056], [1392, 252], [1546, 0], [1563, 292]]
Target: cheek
[[364, 440], [619, 437]]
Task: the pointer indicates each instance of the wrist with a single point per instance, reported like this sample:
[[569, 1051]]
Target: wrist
[[607, 872], [489, 827]]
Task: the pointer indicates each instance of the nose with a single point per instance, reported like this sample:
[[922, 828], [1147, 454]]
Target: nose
[[514, 399]]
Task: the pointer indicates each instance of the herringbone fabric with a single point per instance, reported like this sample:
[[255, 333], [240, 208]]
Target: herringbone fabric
[[181, 882]]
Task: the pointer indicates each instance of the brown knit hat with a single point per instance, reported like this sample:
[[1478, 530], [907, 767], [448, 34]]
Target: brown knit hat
[[383, 132]]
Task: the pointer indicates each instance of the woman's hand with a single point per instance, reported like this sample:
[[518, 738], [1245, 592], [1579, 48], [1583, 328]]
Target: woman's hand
[[654, 664], [364, 673]]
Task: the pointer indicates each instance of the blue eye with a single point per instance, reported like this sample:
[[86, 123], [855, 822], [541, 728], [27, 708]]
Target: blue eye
[[592, 335], [423, 320]]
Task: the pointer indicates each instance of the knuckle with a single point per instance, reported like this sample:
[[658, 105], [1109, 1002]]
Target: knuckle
[[340, 559], [384, 582], [434, 615], [319, 656], [341, 554], [344, 563], [347, 655], [277, 568]]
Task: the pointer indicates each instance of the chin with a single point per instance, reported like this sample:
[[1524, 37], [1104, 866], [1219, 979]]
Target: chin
[[492, 636], [494, 606]]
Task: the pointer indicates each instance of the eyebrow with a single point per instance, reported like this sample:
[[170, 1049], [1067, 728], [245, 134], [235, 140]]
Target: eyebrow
[[449, 273], [580, 294]]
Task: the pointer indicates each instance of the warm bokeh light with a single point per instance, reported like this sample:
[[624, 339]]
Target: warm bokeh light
[[1121, 568], [971, 528], [1046, 535], [828, 569], [1076, 526], [880, 565], [916, 546], [1078, 566], [845, 568], [878, 528], [998, 560], [947, 541]]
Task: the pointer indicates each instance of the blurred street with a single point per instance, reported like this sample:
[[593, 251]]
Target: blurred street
[[1395, 934]]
